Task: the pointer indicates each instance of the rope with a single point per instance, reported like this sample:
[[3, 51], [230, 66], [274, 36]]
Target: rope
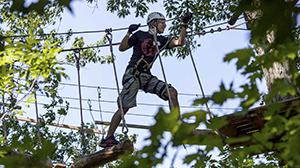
[[198, 78], [83, 145], [99, 103], [4, 121], [37, 120], [161, 65], [201, 88], [124, 127], [90, 107]]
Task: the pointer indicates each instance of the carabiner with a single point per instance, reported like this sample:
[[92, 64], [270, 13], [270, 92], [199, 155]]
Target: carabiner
[[89, 103]]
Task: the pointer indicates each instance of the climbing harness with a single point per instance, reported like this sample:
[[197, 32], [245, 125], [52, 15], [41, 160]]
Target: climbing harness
[[83, 143], [161, 64], [124, 127]]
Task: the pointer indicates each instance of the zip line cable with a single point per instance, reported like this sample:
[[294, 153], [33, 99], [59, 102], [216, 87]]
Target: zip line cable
[[112, 88], [112, 112], [83, 48], [105, 111], [220, 29], [219, 24], [145, 104], [112, 29], [200, 33]]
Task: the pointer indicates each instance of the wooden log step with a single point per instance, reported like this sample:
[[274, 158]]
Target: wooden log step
[[104, 156]]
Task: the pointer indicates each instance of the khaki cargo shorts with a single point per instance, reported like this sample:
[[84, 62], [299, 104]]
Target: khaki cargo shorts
[[145, 81]]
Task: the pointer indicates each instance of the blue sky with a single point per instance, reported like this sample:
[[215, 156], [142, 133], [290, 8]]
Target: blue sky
[[180, 73]]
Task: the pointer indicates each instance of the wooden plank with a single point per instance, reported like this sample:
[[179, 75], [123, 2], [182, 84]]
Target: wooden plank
[[104, 156], [58, 125]]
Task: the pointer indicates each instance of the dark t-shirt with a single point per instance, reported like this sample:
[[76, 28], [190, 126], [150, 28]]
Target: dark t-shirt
[[144, 45]]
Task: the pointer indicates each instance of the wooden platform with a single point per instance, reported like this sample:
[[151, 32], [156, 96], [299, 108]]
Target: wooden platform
[[240, 124]]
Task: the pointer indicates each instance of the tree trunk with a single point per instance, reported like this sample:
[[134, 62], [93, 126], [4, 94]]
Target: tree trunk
[[104, 156], [278, 71]]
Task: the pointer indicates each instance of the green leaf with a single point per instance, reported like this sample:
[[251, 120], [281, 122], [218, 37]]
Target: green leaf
[[244, 56], [65, 3], [222, 96]]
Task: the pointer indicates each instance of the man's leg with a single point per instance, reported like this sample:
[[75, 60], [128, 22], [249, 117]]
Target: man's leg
[[110, 139], [174, 96], [115, 121]]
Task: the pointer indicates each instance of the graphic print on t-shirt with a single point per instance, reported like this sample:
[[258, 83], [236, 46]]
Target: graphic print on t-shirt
[[148, 47]]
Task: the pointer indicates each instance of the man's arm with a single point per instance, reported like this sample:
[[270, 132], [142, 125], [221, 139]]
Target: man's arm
[[180, 41], [124, 43]]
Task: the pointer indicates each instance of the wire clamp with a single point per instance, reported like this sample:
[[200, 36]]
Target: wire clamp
[[108, 30], [99, 91]]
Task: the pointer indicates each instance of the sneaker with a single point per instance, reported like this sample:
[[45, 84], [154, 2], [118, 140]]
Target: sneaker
[[109, 141]]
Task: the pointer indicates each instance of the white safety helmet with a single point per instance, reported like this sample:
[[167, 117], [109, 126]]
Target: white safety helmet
[[154, 15]]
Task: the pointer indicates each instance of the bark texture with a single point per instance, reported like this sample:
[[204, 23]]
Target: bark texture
[[278, 71], [104, 156]]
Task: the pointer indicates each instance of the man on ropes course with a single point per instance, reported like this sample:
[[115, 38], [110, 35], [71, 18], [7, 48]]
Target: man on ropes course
[[146, 47]]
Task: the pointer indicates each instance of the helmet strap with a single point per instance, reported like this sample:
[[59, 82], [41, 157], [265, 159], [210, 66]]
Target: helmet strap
[[154, 25]]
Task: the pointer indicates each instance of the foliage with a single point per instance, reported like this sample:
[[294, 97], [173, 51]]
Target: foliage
[[87, 54], [278, 17], [28, 64]]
